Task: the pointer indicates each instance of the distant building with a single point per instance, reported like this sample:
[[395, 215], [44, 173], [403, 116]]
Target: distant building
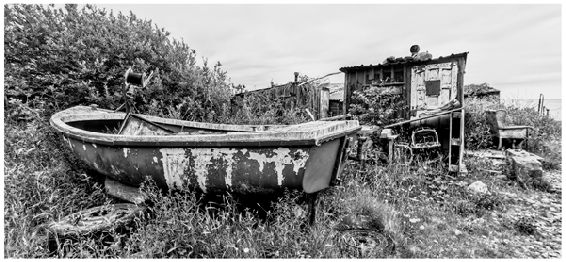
[[336, 98], [481, 91], [292, 95]]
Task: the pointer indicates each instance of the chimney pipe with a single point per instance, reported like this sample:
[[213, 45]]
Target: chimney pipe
[[415, 50]]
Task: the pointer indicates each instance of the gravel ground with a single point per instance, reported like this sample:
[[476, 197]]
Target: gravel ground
[[542, 211]]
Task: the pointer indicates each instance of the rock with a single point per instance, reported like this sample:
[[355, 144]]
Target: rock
[[299, 212], [457, 232], [478, 187], [413, 249], [501, 177], [524, 164], [414, 220], [124, 192]]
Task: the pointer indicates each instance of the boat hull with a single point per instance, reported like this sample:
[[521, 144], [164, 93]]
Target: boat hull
[[239, 167], [259, 170]]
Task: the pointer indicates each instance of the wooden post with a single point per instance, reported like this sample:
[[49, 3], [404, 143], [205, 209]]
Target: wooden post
[[407, 86], [324, 103], [360, 153], [450, 140], [311, 199], [346, 94], [461, 153], [540, 103]]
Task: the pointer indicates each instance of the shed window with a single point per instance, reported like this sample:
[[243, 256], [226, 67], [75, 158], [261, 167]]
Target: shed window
[[387, 75], [376, 77], [399, 75], [432, 88]]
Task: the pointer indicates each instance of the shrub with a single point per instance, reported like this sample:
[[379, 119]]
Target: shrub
[[57, 58], [476, 131], [374, 106]]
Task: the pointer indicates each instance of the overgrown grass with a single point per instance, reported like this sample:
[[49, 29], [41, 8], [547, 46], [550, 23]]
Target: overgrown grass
[[413, 212], [41, 188]]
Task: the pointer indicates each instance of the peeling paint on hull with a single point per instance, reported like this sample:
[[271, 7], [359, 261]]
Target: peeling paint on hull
[[240, 170]]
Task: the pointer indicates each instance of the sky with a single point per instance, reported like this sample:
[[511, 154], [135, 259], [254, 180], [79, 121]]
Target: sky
[[514, 48]]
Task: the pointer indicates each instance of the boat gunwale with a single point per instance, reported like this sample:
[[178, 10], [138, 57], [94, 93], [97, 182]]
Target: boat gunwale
[[273, 136]]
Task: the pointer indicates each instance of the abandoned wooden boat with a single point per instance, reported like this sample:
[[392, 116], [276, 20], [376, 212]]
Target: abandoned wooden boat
[[245, 159]]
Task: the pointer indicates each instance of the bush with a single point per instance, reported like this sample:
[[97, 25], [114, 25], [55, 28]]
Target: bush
[[57, 58], [374, 106], [476, 131]]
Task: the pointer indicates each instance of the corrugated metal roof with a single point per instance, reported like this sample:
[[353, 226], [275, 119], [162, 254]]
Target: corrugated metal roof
[[245, 92], [332, 86], [336, 90], [479, 90], [403, 62], [337, 95]]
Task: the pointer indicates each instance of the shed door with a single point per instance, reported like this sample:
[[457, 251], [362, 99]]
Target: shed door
[[324, 102], [433, 85]]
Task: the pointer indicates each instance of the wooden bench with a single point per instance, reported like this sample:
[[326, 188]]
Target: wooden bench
[[500, 130]]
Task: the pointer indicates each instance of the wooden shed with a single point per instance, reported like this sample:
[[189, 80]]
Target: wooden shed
[[430, 88], [292, 95], [424, 85]]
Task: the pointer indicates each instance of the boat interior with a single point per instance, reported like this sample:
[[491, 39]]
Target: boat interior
[[140, 125]]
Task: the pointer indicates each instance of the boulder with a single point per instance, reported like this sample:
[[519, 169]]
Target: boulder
[[524, 167], [478, 187]]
